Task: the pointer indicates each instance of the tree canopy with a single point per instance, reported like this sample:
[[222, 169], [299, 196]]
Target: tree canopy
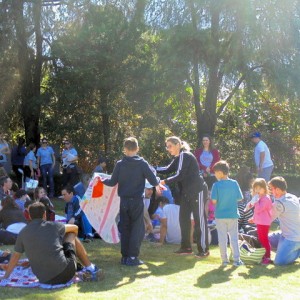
[[97, 71]]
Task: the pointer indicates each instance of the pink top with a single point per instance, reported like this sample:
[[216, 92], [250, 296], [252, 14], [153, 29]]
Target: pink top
[[263, 211], [211, 211]]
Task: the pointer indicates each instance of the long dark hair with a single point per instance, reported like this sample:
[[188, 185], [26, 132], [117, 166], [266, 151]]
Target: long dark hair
[[211, 146], [30, 147], [9, 202]]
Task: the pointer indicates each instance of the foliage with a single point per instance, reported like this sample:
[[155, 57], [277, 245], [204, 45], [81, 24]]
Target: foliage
[[109, 69]]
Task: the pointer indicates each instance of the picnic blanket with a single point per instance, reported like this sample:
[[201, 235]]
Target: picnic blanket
[[24, 277], [101, 205]]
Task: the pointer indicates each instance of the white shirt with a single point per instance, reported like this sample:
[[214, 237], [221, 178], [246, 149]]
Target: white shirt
[[261, 146], [171, 213]]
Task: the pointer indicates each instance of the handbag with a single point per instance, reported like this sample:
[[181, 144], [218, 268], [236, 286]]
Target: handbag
[[31, 184], [249, 254]]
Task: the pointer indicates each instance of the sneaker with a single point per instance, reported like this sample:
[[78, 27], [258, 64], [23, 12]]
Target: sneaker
[[202, 254], [238, 263], [96, 275], [124, 260], [186, 251], [266, 261], [133, 261], [225, 263]]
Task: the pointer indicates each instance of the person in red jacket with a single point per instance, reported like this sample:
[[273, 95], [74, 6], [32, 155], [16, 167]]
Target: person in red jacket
[[206, 157]]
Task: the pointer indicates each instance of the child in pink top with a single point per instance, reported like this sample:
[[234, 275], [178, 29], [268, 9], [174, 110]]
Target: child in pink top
[[262, 215]]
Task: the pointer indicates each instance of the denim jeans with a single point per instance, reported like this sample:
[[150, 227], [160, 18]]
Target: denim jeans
[[47, 173], [287, 251], [266, 173]]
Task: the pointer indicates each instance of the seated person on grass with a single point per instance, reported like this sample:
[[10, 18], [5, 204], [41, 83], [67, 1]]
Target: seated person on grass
[[75, 215], [51, 248], [12, 221], [169, 223]]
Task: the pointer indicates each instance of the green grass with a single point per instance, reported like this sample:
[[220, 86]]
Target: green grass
[[168, 276]]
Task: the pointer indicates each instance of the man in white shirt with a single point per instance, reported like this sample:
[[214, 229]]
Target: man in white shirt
[[262, 157], [286, 208], [169, 223]]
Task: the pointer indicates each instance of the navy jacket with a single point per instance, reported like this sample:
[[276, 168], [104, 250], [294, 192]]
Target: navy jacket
[[130, 174]]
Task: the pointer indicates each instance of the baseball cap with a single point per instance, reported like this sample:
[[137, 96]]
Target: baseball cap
[[255, 135]]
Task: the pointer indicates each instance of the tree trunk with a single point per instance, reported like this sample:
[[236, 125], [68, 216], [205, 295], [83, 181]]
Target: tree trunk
[[30, 70]]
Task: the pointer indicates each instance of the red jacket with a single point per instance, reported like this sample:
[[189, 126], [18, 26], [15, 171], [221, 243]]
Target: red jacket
[[216, 157]]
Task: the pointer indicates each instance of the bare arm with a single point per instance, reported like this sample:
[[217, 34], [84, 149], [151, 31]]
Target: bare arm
[[261, 159], [53, 160], [12, 263]]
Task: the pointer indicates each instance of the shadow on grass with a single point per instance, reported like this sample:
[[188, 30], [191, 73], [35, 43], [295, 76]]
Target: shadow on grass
[[216, 276], [221, 274], [116, 275], [256, 271]]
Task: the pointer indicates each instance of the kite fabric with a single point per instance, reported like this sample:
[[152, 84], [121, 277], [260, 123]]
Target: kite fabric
[[101, 204]]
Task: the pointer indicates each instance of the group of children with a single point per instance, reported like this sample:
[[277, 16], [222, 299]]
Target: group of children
[[225, 194]]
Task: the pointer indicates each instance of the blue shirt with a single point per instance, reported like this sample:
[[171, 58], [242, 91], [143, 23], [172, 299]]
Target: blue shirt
[[20, 203], [28, 157], [227, 193], [45, 155], [17, 155], [206, 158]]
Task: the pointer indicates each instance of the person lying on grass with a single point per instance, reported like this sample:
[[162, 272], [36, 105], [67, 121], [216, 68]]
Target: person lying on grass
[[51, 248]]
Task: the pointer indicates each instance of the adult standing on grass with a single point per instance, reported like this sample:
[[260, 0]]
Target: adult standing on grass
[[262, 157], [51, 248], [287, 209], [70, 170], [46, 161], [18, 154], [206, 157], [30, 162], [130, 174], [4, 152], [192, 194]]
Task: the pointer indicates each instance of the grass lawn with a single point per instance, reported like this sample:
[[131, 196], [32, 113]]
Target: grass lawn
[[168, 276]]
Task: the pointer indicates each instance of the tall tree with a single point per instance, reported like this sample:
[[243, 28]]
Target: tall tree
[[216, 47]]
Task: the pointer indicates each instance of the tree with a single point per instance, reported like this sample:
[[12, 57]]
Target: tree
[[217, 47]]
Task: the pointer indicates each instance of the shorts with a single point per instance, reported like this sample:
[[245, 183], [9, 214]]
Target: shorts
[[68, 273]]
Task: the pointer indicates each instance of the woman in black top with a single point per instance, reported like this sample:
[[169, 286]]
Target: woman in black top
[[192, 194], [12, 221]]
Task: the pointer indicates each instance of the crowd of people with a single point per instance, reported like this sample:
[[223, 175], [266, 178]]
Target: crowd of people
[[193, 194]]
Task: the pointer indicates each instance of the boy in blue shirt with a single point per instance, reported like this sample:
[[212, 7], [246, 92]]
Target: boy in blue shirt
[[130, 174], [225, 194]]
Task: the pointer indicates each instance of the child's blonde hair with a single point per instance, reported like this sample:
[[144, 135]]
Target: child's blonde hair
[[260, 182]]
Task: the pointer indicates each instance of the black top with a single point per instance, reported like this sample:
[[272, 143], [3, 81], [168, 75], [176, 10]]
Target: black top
[[42, 243], [10, 216], [187, 177], [130, 174]]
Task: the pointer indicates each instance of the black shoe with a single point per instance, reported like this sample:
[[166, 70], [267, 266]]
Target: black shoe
[[124, 260], [79, 267], [133, 261], [202, 254], [186, 251]]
